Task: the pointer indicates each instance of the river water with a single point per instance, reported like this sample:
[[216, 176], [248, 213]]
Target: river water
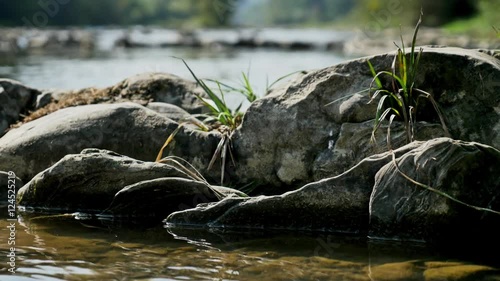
[[67, 249], [105, 66]]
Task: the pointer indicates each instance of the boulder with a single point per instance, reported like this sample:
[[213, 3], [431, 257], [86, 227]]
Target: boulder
[[126, 128], [343, 153], [141, 89], [169, 110], [15, 99], [161, 87], [10, 184], [465, 171], [88, 181], [338, 204], [287, 136]]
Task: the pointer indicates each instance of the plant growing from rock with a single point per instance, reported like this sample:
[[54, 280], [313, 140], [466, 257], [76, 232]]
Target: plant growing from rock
[[401, 99], [220, 116]]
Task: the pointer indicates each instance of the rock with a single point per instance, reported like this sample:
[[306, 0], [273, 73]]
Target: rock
[[10, 184], [49, 96], [126, 128], [141, 89], [155, 199], [466, 171], [88, 182], [338, 204], [431, 271], [161, 87], [301, 132], [15, 99], [169, 110], [459, 271], [343, 154], [396, 271]]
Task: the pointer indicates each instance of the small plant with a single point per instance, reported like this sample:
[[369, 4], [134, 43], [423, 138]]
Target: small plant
[[246, 88], [220, 118], [401, 99]]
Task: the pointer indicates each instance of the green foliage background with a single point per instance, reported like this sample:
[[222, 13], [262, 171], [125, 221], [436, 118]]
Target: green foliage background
[[120, 12], [459, 15]]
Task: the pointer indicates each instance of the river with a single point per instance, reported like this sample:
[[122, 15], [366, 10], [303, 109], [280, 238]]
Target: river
[[68, 249]]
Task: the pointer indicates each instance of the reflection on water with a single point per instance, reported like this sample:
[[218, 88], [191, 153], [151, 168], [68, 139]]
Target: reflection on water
[[62, 249]]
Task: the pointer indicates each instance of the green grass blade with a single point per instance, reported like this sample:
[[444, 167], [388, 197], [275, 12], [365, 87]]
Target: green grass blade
[[346, 97], [415, 33], [248, 92], [218, 102], [374, 74], [283, 77], [378, 123]]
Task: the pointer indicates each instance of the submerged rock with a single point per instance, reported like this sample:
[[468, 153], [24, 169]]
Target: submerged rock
[[465, 171], [287, 136], [15, 99], [9, 184], [88, 181], [127, 128], [157, 198]]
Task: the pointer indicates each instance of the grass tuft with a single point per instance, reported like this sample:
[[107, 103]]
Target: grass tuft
[[401, 98]]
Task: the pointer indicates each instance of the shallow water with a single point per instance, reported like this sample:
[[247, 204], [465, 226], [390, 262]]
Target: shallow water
[[106, 66], [66, 249]]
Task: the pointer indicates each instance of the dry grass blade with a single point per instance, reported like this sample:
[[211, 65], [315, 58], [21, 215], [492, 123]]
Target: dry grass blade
[[185, 166], [436, 108], [190, 171], [167, 142]]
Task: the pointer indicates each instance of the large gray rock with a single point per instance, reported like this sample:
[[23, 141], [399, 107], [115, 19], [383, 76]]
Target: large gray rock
[[127, 128], [88, 181], [171, 111], [338, 204], [466, 171], [15, 99], [343, 153], [161, 87], [147, 88], [9, 184], [286, 137]]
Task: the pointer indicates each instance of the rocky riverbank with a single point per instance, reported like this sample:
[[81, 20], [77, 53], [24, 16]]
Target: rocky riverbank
[[350, 43], [311, 166]]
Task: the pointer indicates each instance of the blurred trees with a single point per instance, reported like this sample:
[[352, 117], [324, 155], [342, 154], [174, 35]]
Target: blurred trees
[[116, 12], [285, 12], [248, 12]]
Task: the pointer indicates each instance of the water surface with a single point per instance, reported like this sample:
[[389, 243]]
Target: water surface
[[66, 249]]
